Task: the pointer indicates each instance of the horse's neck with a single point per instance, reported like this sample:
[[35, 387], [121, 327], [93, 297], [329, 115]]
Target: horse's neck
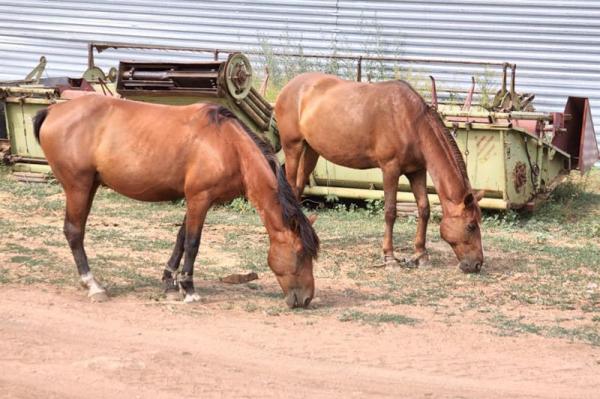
[[260, 188], [451, 183]]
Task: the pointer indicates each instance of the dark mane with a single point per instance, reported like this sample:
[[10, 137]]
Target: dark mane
[[458, 157], [290, 208], [437, 124]]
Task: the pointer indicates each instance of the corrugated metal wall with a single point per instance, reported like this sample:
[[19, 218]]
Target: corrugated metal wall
[[556, 44]]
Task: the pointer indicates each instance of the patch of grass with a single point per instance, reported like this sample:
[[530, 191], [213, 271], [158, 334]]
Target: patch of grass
[[376, 318], [241, 205], [4, 276], [506, 326], [510, 327], [588, 333], [250, 307], [538, 262]]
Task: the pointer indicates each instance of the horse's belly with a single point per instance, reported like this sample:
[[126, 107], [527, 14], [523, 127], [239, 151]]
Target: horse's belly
[[143, 187], [342, 135], [346, 148], [356, 161]]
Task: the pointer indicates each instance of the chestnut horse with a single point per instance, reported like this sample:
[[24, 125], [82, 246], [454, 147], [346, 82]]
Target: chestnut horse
[[386, 125], [152, 152]]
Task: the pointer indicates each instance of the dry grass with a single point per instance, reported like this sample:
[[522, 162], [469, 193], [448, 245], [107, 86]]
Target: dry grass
[[542, 273]]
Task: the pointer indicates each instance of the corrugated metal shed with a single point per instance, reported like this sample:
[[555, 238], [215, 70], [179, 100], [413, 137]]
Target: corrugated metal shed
[[556, 44]]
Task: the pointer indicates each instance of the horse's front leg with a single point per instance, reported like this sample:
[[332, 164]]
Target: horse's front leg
[[196, 214], [79, 202], [390, 188], [418, 185], [169, 273]]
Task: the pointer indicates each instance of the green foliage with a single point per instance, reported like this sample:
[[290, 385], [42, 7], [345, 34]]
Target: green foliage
[[332, 198], [505, 219], [241, 205], [487, 82], [374, 206]]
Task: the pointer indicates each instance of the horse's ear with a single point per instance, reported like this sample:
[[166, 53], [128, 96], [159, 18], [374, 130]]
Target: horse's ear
[[479, 195], [472, 198], [312, 218], [469, 200]]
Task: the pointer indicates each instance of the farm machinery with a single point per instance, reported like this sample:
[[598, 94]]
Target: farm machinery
[[513, 153]]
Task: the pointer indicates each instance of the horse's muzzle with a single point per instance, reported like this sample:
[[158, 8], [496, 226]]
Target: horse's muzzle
[[470, 267], [298, 298]]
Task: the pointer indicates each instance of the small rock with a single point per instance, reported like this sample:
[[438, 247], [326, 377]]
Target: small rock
[[239, 278]]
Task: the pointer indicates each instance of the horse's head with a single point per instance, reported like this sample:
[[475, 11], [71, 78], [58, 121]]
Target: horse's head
[[292, 263], [460, 229]]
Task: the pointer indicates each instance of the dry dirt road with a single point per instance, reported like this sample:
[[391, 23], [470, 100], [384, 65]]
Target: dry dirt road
[[55, 344]]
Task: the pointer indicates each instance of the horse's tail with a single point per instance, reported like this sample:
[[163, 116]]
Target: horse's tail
[[38, 120]]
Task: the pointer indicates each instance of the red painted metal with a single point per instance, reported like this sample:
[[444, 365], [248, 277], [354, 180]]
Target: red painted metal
[[579, 138]]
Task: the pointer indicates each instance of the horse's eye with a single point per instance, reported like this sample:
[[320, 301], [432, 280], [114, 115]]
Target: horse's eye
[[471, 227]]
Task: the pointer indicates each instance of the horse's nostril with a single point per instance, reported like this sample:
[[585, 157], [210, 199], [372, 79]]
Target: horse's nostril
[[307, 301]]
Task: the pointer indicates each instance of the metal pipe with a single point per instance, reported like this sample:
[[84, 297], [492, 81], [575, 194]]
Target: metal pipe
[[102, 46], [166, 75], [500, 115], [35, 161], [264, 106], [434, 98], [252, 114], [401, 196], [259, 112]]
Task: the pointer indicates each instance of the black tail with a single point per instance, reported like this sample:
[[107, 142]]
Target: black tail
[[38, 119]]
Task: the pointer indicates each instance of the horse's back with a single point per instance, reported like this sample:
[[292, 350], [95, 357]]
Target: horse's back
[[355, 124], [141, 150]]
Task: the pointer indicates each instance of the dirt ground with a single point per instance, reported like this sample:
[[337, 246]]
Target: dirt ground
[[55, 344], [526, 327]]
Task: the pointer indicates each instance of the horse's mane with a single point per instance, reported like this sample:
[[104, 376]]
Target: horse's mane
[[443, 134], [291, 210]]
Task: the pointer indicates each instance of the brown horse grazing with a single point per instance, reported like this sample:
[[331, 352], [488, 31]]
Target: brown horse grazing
[[386, 125], [156, 153]]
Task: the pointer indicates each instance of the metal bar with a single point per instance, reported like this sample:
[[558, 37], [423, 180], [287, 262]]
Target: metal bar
[[401, 196], [164, 75], [29, 90], [253, 115], [36, 161], [257, 110], [500, 115], [102, 46], [91, 55], [434, 98], [264, 106], [32, 100]]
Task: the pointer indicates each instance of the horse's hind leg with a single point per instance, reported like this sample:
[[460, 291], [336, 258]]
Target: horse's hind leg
[[79, 202], [418, 185], [196, 213], [293, 153], [169, 281], [307, 165]]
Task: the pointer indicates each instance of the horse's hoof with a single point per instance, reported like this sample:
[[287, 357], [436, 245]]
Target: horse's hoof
[[420, 260], [191, 298], [99, 296], [423, 261], [410, 263], [391, 262], [173, 296]]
